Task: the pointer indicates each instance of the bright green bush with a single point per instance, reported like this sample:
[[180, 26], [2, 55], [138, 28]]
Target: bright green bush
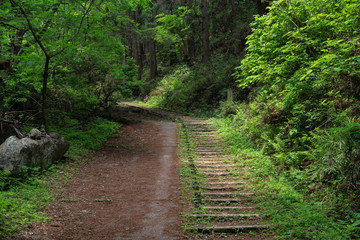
[[302, 70]]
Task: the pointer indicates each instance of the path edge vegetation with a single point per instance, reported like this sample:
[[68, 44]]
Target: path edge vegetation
[[190, 182], [24, 200], [295, 213]]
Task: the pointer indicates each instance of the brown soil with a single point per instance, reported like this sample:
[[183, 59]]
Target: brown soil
[[128, 190]]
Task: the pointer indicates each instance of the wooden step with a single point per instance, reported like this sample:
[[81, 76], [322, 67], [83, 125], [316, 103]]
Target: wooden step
[[225, 194], [204, 132], [225, 183], [226, 200], [220, 207], [213, 170], [223, 178], [214, 165], [198, 163], [232, 229], [207, 145], [216, 174], [214, 157], [213, 160], [198, 130], [212, 153], [212, 142], [196, 123], [226, 188], [223, 216]]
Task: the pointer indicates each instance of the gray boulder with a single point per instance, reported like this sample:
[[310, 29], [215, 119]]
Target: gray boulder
[[39, 152], [35, 134]]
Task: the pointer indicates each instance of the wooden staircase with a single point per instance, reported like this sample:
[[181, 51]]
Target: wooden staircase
[[224, 204]]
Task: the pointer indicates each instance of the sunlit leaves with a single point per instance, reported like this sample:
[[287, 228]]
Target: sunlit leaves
[[172, 29], [85, 40], [303, 70], [296, 33]]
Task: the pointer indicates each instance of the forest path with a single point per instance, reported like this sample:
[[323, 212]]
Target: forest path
[[128, 190]]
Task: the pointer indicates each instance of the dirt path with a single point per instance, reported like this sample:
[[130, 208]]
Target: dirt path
[[129, 190]]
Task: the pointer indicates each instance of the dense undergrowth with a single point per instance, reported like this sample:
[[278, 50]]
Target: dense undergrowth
[[295, 118], [302, 69], [300, 208], [23, 199], [196, 88]]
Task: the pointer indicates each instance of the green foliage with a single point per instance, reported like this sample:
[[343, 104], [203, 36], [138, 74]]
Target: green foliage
[[302, 73], [296, 213], [84, 136], [170, 91], [299, 131], [336, 154], [20, 205], [227, 107], [171, 31], [88, 70], [201, 86]]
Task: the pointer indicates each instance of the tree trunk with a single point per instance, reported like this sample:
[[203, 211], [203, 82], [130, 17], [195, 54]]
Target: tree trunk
[[44, 92], [138, 51], [205, 32], [152, 60], [235, 28], [186, 52], [46, 66]]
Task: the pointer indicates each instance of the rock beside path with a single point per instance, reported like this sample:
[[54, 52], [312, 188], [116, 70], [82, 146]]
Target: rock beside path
[[37, 150]]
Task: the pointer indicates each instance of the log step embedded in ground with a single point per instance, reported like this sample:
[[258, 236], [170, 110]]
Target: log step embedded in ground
[[224, 199]]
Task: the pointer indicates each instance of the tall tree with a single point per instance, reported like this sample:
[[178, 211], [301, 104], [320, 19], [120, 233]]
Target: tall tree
[[49, 52], [137, 47], [152, 57], [205, 32], [150, 38]]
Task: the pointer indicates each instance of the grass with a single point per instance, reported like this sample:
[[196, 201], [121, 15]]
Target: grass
[[295, 213], [84, 137], [103, 200], [189, 181], [19, 207], [23, 200]]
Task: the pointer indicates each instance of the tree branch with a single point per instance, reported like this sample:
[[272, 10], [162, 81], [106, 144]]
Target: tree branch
[[15, 123], [87, 11], [30, 27], [8, 25]]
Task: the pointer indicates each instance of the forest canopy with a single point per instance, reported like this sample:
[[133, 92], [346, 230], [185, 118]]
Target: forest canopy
[[68, 56], [78, 57]]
